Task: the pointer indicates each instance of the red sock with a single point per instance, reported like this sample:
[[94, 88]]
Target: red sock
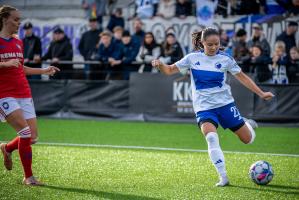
[[25, 153], [12, 145]]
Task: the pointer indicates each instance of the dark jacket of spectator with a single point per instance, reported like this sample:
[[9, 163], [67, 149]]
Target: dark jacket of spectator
[[115, 21], [261, 41], [291, 6], [240, 51], [173, 51], [261, 68], [117, 42], [246, 7], [32, 47], [62, 50], [183, 8], [138, 37], [129, 52], [289, 40], [88, 42], [104, 53]]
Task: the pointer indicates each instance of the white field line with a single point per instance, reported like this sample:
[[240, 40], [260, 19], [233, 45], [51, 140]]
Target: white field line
[[158, 148]]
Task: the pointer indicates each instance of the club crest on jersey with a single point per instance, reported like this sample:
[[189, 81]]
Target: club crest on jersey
[[5, 105], [19, 47], [2, 46], [218, 65]]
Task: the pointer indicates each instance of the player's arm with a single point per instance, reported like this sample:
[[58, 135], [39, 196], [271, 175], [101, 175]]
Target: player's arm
[[247, 82], [164, 68], [10, 63], [51, 70]]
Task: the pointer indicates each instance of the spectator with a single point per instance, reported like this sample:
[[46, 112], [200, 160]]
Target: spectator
[[149, 51], [95, 9], [222, 8], [261, 63], [258, 38], [224, 39], [138, 34], [32, 49], [129, 52], [166, 9], [272, 7], [117, 35], [291, 6], [293, 68], [280, 61], [116, 19], [289, 36], [183, 8], [240, 50], [89, 39], [60, 49], [146, 9], [171, 50], [107, 52], [88, 43], [247, 7]]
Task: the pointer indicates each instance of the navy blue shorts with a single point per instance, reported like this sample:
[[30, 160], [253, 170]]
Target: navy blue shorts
[[227, 116]]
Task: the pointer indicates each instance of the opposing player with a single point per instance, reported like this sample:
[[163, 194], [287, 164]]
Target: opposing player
[[212, 99], [16, 105]]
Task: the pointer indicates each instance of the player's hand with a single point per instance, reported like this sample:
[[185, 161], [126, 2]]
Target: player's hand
[[51, 70], [156, 63], [267, 95], [13, 63]]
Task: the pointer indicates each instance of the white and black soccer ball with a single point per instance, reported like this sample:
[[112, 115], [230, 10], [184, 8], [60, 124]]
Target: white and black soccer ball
[[261, 172]]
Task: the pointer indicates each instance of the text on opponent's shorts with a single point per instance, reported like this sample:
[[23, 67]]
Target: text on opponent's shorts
[[9, 104], [227, 116]]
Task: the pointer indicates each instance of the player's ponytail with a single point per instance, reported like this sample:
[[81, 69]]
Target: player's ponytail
[[196, 41], [5, 13]]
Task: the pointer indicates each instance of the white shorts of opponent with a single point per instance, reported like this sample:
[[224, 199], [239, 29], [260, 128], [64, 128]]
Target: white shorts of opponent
[[9, 104]]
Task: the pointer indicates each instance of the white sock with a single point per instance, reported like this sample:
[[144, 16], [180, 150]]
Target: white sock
[[252, 132], [216, 154]]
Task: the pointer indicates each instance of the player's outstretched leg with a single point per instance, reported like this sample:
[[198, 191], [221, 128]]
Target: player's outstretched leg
[[246, 133]]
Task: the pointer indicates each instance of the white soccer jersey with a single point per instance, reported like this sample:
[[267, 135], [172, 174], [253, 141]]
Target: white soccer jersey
[[208, 76]]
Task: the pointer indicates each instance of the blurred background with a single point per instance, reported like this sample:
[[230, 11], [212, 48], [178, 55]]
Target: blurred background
[[104, 49]]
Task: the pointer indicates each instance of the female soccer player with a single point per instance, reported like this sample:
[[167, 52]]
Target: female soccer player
[[212, 99], [16, 105]]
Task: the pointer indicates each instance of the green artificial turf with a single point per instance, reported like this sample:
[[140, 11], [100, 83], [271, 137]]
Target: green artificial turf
[[114, 173]]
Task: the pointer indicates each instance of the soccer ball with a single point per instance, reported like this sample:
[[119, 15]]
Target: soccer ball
[[261, 172]]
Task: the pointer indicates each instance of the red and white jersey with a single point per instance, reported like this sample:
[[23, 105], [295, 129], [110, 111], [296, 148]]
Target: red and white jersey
[[13, 81]]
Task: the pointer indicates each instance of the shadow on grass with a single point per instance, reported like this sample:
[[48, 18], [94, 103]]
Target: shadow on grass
[[109, 195], [272, 188]]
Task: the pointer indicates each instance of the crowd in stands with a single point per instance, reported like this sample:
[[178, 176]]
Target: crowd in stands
[[255, 55], [183, 8], [121, 52]]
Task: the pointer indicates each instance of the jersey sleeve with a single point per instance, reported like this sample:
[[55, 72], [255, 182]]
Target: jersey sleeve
[[183, 65], [233, 67]]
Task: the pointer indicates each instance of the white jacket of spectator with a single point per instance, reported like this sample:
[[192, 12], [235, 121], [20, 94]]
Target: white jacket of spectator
[[145, 8], [143, 55], [166, 8]]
